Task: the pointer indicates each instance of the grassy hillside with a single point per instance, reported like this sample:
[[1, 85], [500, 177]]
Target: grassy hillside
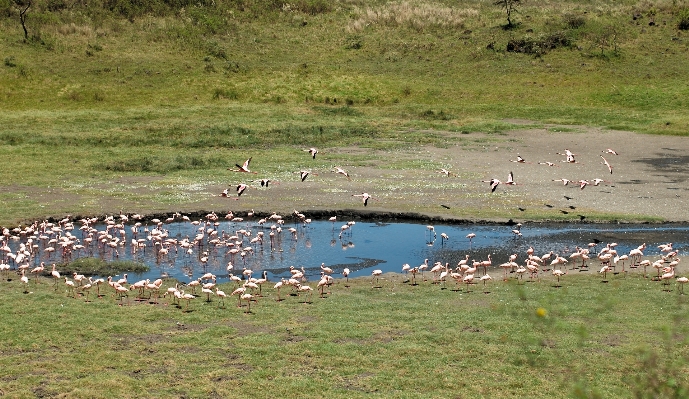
[[617, 64]]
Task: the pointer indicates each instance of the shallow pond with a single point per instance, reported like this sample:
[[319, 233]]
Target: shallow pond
[[366, 246]]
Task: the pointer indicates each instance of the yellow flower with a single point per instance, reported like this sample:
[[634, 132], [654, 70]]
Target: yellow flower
[[541, 312]]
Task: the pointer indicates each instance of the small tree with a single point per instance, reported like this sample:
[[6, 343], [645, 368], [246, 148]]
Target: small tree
[[510, 7], [22, 15]]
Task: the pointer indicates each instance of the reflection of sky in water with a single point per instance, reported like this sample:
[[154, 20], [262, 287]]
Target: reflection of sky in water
[[387, 246]]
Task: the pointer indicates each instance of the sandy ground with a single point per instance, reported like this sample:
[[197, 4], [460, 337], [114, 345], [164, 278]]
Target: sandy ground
[[647, 182]]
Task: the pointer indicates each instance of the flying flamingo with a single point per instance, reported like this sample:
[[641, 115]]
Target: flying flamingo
[[519, 160], [312, 151], [494, 183], [243, 168], [548, 163], [564, 181], [510, 180], [365, 197], [303, 174], [569, 156], [446, 172], [610, 151], [605, 162], [342, 172]]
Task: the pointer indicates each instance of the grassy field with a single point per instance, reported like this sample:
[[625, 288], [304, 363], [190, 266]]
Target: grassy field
[[95, 95], [626, 338]]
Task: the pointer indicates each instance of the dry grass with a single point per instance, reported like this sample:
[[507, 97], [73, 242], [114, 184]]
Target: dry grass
[[410, 14]]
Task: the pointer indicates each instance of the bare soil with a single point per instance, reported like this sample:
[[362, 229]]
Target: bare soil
[[648, 180]]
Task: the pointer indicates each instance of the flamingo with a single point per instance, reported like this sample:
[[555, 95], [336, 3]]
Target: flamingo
[[569, 156], [305, 288], [564, 181], [680, 284], [485, 278], [277, 287], [188, 298], [244, 167], [558, 273], [312, 151], [25, 282], [55, 274], [345, 274], [606, 163], [221, 295], [365, 197], [70, 285], [666, 277], [510, 180], [342, 172], [610, 151], [494, 183], [303, 174], [470, 236], [38, 270], [446, 172], [519, 159], [548, 163], [376, 274], [247, 297]]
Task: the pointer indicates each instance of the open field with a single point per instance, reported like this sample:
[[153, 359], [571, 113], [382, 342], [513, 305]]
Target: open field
[[526, 339]]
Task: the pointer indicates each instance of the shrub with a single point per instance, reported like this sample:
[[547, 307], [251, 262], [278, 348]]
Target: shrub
[[683, 23], [225, 94], [539, 46], [9, 62], [573, 21]]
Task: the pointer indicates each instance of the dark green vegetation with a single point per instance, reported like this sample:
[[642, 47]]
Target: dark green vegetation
[[100, 267], [626, 338]]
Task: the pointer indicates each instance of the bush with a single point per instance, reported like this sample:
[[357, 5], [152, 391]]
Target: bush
[[574, 21], [9, 62], [225, 94], [539, 46], [683, 23]]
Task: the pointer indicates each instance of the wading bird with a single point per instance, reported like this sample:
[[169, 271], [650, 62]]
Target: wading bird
[[244, 167]]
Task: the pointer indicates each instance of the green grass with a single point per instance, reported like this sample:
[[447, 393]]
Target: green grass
[[395, 341]]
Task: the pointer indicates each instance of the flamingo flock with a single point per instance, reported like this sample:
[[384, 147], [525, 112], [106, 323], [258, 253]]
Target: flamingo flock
[[73, 239]]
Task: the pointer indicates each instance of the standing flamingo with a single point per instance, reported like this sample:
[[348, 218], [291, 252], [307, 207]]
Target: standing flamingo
[[345, 274], [680, 284], [376, 274]]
